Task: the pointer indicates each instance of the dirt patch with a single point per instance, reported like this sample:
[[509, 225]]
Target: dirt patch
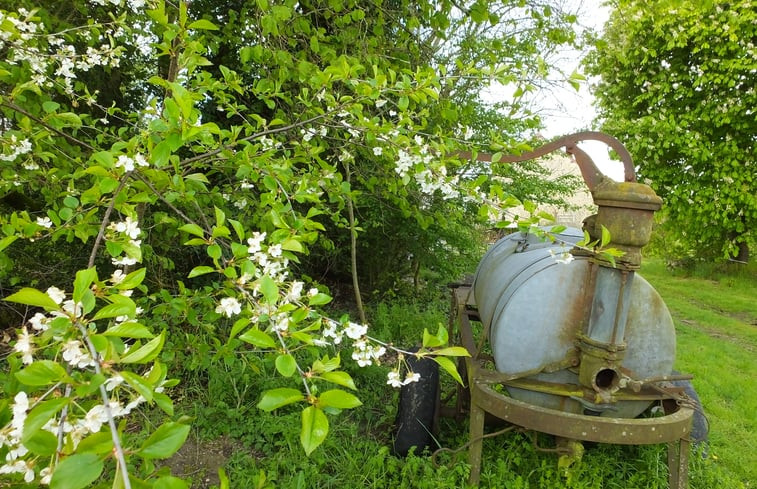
[[199, 460], [736, 340]]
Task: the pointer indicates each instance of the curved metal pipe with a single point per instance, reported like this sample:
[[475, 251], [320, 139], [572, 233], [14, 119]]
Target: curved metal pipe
[[589, 170]]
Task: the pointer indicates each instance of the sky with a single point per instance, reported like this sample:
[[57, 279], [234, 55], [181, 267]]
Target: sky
[[570, 111]]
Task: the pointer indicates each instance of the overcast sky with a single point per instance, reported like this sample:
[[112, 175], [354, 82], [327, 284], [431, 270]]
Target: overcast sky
[[570, 111]]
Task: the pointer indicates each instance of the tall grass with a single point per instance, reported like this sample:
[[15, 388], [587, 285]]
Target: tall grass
[[715, 312], [715, 316]]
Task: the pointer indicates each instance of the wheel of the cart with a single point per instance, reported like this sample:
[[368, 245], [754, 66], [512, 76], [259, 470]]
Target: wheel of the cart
[[700, 428], [417, 414]]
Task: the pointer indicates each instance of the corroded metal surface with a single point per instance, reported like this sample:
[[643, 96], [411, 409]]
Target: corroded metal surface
[[672, 428], [577, 347]]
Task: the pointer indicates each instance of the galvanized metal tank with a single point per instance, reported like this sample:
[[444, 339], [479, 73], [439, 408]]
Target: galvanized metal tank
[[535, 307]]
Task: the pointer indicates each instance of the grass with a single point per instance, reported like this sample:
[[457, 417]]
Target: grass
[[716, 322], [715, 317]]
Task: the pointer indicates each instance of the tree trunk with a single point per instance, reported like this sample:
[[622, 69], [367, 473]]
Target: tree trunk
[[353, 251], [742, 256]]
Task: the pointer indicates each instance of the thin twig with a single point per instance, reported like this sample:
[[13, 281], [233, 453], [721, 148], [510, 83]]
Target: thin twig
[[250, 138], [117, 448], [165, 201], [36, 119], [106, 220]]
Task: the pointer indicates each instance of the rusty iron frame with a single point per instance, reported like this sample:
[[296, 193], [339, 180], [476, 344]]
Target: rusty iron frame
[[672, 429]]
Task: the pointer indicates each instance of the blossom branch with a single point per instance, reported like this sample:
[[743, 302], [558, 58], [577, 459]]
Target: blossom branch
[[106, 220], [117, 448]]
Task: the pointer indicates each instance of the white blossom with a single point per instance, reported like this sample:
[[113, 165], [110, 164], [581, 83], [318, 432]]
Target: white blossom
[[331, 331], [57, 295], [25, 346], [275, 250], [19, 467], [123, 261], [45, 475], [229, 306], [17, 147], [563, 257], [75, 356], [355, 331], [140, 160], [45, 222], [378, 150], [295, 291], [20, 406], [393, 378], [40, 322], [114, 381], [95, 418], [254, 242], [411, 377], [380, 103], [128, 226], [125, 162], [75, 309], [281, 324], [307, 134], [117, 277]]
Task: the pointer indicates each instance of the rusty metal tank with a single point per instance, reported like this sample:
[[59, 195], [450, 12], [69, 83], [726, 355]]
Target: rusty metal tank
[[545, 317]]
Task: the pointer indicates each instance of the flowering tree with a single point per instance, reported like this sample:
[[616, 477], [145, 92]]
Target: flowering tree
[[217, 169], [677, 85]]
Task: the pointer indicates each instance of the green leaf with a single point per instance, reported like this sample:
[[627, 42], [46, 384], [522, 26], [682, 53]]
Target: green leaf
[[269, 289], [129, 330], [41, 414], [292, 245], [339, 378], [605, 236], [164, 441], [71, 202], [49, 106], [132, 280], [41, 372], [169, 482], [83, 281], [220, 217], [450, 367], [339, 399], [315, 427], [286, 365], [33, 297], [238, 228], [7, 241], [164, 402], [76, 471], [120, 308], [193, 229], [440, 339], [146, 352], [214, 251], [203, 25], [452, 351], [42, 443], [200, 270], [258, 338], [238, 326], [326, 364], [276, 398], [101, 442], [139, 384], [319, 299]]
